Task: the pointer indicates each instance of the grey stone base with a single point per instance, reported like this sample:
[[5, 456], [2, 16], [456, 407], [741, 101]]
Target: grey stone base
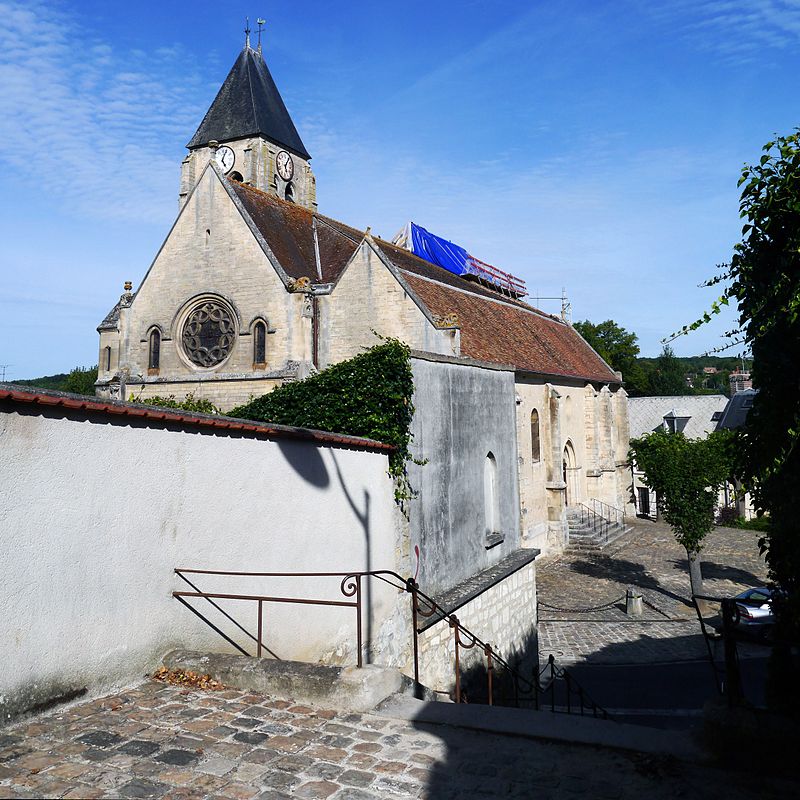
[[338, 688]]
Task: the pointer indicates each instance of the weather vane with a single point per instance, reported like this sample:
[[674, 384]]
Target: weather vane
[[260, 22]]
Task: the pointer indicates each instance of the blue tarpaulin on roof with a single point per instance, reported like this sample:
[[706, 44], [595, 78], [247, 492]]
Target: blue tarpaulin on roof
[[437, 250], [455, 259]]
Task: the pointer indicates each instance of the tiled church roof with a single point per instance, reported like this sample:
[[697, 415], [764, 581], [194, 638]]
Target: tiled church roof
[[249, 104], [493, 327], [288, 230], [510, 333]]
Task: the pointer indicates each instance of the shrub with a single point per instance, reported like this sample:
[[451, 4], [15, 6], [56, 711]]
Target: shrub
[[369, 395]]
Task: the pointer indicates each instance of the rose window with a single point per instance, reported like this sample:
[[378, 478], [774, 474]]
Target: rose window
[[208, 334]]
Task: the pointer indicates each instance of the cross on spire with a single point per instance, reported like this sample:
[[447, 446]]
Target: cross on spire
[[247, 31]]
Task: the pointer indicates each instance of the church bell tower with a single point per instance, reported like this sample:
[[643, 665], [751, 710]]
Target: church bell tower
[[249, 133]]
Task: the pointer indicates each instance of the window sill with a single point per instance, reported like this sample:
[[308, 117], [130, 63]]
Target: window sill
[[493, 539], [153, 371]]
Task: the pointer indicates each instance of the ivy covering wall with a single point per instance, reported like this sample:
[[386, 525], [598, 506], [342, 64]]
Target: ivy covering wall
[[369, 395]]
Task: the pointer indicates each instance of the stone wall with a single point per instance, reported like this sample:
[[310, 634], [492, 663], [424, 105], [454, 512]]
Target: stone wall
[[368, 299], [97, 510], [504, 615], [464, 412], [593, 420]]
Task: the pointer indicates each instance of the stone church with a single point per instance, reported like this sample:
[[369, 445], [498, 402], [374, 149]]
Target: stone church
[[517, 417]]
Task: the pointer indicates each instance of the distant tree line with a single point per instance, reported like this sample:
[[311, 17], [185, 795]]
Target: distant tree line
[[79, 380], [667, 374]]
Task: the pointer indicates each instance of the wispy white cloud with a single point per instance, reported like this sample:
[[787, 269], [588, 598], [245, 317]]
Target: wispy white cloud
[[94, 126], [734, 31]]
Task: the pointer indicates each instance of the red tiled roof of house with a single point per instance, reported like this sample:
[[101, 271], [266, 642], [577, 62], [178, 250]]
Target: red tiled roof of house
[[509, 333]]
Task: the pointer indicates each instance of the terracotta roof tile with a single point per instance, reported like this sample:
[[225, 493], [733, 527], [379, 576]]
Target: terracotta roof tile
[[508, 333], [493, 327], [288, 230], [12, 393]]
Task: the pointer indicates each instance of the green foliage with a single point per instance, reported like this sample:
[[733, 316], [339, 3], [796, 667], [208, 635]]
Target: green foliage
[[668, 376], [760, 524], [763, 279], [369, 395], [686, 474], [54, 382], [189, 403], [619, 349], [81, 380], [765, 282]]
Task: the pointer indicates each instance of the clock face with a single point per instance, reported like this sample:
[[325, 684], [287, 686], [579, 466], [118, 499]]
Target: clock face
[[285, 165], [225, 158]]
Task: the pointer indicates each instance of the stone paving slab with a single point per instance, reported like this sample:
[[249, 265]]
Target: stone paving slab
[[157, 741], [648, 558]]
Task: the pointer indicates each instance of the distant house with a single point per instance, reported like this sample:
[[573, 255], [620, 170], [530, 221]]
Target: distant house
[[740, 381], [693, 415], [734, 417]]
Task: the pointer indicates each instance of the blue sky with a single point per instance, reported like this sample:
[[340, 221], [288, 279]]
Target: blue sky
[[591, 146]]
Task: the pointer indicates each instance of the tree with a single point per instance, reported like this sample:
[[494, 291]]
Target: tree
[[686, 475], [618, 348], [763, 279], [668, 375], [81, 380]]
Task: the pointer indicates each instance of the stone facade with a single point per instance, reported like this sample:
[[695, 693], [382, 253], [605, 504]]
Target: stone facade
[[504, 615], [254, 163], [209, 254], [370, 296], [582, 442]]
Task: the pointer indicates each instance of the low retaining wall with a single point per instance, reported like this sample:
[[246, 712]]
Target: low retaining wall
[[503, 614]]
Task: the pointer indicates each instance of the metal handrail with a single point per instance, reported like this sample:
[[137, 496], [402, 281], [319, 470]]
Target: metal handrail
[[600, 517], [422, 605]]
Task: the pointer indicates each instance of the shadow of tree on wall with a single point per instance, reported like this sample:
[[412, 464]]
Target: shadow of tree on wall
[[506, 691]]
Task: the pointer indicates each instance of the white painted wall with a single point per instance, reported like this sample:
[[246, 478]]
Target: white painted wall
[[95, 514]]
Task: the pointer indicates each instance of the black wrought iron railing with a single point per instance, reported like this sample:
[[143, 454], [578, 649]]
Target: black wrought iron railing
[[601, 518], [549, 687]]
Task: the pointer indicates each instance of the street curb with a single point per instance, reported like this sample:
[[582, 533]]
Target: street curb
[[531, 724]]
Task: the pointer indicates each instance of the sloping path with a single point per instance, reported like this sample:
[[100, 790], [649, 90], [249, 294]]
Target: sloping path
[[157, 741]]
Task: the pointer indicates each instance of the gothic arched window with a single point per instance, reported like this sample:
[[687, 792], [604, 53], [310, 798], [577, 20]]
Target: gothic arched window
[[536, 453], [260, 343], [154, 349], [289, 193]]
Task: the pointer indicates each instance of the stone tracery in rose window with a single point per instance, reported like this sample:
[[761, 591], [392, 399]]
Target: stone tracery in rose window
[[209, 333]]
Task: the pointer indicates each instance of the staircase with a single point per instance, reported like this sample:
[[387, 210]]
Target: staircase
[[594, 526]]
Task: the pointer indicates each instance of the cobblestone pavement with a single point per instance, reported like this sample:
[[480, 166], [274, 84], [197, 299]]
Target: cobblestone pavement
[[650, 559], [156, 741]]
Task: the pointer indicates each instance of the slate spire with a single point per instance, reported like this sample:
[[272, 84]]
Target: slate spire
[[249, 104]]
